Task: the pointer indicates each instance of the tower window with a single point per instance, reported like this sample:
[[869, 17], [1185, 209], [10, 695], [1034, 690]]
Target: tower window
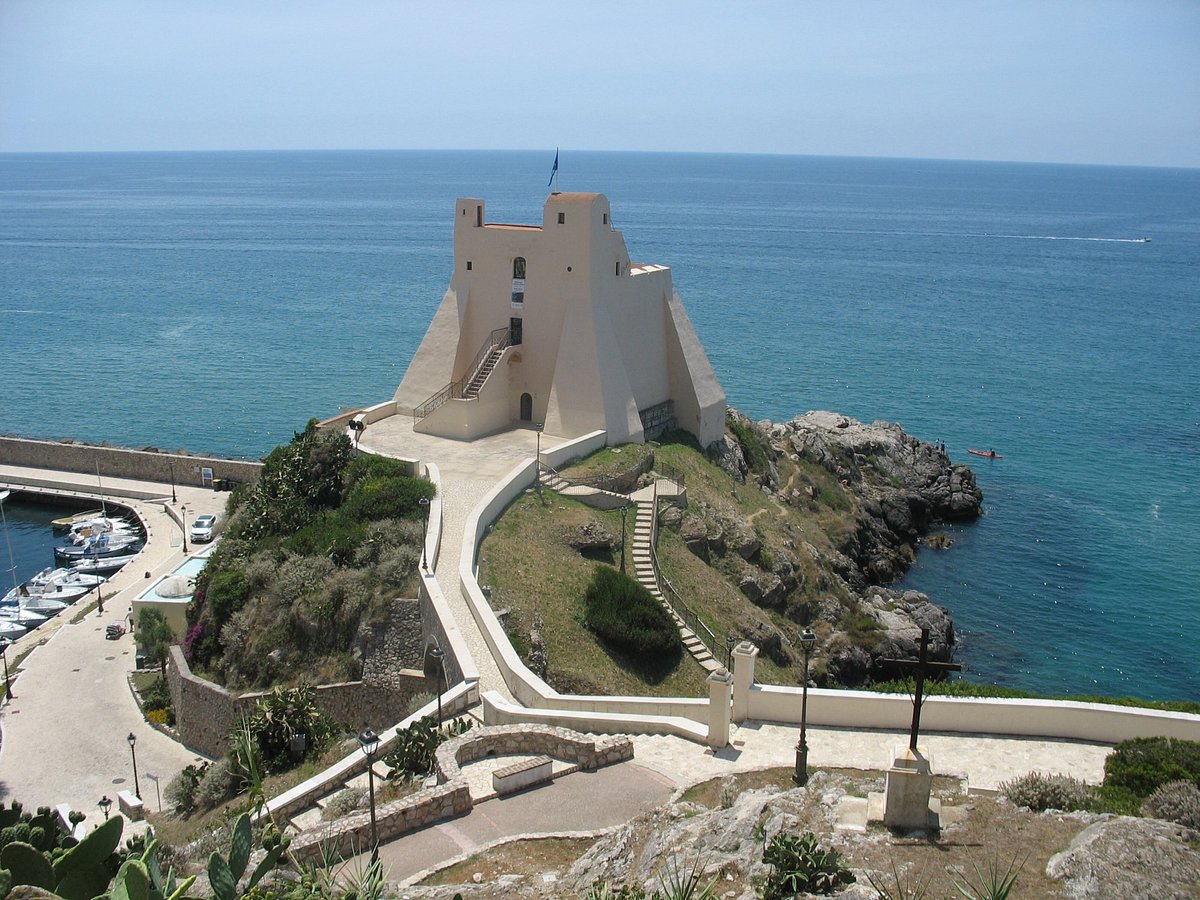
[[606, 218], [468, 265], [562, 218], [618, 268]]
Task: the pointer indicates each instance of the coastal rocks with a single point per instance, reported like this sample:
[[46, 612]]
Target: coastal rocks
[[1129, 858], [914, 482]]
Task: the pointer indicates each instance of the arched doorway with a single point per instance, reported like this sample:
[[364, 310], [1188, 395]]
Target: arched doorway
[[527, 407]]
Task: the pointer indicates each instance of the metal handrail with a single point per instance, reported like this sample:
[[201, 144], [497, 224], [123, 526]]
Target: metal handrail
[[498, 339], [690, 617]]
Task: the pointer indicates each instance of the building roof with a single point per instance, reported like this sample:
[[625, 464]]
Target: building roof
[[574, 197]]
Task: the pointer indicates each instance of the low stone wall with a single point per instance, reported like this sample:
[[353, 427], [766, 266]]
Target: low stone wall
[[116, 462], [205, 713], [352, 834], [529, 740]]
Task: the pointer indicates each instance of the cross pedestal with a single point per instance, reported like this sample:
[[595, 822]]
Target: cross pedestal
[[905, 803]]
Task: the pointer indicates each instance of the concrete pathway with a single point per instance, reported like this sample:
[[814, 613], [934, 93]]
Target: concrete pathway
[[468, 471], [64, 733], [584, 802]]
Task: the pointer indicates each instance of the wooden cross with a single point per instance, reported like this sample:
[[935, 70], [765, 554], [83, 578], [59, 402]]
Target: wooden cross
[[923, 667]]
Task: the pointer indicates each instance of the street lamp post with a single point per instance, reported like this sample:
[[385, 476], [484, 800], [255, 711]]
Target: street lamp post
[[4, 642], [729, 642], [183, 526], [105, 805], [174, 499], [369, 741], [137, 788], [808, 640], [624, 510], [439, 657], [424, 501]]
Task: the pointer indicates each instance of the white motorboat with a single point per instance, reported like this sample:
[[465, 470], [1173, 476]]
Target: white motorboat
[[66, 577], [14, 612], [102, 564], [10, 630], [42, 605], [81, 531], [104, 545], [67, 593]]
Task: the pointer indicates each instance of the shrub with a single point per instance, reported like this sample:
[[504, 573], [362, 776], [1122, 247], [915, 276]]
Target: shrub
[[369, 466], [182, 790], [1040, 792], [623, 613], [800, 865], [159, 717], [1142, 765], [387, 498], [287, 726], [411, 755], [332, 535], [226, 593], [343, 803], [221, 782], [1175, 801]]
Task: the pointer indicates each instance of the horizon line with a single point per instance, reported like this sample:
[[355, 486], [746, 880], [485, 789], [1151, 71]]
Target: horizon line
[[762, 153]]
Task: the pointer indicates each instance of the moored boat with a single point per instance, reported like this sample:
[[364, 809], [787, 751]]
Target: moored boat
[[10, 631], [42, 605], [67, 521], [65, 577], [103, 565], [103, 546]]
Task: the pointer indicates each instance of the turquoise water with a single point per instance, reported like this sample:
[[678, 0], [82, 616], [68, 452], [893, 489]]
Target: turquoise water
[[223, 299]]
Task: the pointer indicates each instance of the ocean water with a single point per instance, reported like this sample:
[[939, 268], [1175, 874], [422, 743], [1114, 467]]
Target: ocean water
[[217, 301]]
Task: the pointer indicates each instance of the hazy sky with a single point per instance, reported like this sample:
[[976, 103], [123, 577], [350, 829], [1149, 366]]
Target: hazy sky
[[1106, 81]]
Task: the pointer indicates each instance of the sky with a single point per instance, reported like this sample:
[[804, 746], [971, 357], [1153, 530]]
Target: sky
[[1101, 81]]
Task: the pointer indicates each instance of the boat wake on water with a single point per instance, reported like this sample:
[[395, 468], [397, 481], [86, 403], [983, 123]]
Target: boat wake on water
[[1006, 237]]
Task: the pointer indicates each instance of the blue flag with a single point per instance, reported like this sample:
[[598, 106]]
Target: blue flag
[[553, 171]]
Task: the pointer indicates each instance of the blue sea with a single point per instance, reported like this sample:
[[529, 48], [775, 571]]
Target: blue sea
[[217, 301]]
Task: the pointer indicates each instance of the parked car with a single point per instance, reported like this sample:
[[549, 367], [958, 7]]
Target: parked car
[[202, 529]]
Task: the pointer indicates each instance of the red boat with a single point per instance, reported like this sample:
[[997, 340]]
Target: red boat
[[990, 454]]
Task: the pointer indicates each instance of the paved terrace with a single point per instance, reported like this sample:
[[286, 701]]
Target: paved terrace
[[64, 732]]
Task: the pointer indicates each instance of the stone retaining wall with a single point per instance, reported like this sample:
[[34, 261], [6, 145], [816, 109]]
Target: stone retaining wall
[[116, 462], [205, 713], [352, 834], [529, 740]]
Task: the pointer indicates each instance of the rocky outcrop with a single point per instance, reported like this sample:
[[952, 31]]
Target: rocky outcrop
[[1129, 858], [901, 487]]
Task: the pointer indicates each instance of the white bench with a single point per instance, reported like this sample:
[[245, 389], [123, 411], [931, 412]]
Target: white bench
[[518, 776]]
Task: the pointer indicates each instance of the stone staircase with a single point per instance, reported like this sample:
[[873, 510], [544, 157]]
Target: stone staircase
[[643, 570], [475, 385]]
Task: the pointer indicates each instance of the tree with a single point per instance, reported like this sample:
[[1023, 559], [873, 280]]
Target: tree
[[154, 636]]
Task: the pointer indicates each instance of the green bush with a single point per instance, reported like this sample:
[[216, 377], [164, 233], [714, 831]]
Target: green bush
[[1175, 801], [800, 865], [387, 498], [331, 535], [182, 789], [1040, 792], [623, 613], [226, 593], [362, 468], [1142, 765], [287, 726]]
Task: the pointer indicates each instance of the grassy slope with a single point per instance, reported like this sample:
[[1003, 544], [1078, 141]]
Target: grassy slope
[[531, 569]]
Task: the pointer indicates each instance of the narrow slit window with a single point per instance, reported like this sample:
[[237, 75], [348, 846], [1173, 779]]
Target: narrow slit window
[[562, 218], [518, 281]]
